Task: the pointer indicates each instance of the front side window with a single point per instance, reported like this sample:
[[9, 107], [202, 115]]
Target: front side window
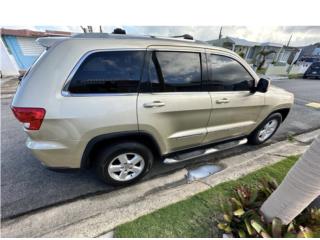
[[226, 74], [109, 72], [175, 72]]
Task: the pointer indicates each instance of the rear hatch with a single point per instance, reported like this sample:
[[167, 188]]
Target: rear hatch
[[25, 106]]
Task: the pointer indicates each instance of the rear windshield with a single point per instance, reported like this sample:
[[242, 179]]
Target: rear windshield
[[108, 72]]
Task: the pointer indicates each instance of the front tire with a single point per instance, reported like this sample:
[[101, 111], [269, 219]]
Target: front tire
[[123, 163], [266, 129]]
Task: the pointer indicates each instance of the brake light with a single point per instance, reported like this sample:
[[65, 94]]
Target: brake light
[[31, 117]]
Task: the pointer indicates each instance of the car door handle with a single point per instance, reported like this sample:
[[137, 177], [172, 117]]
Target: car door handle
[[223, 100], [154, 104]]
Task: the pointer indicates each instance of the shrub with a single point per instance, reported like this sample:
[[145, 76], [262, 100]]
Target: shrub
[[242, 218]]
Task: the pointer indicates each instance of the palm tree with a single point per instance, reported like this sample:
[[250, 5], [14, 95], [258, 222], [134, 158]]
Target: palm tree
[[298, 189], [264, 53]]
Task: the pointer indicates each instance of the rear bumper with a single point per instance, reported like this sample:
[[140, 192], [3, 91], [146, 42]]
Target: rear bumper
[[56, 155]]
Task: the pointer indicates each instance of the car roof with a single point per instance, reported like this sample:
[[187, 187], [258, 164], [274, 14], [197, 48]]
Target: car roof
[[140, 40]]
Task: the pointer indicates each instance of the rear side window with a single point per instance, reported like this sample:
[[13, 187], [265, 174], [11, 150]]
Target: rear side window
[[226, 74], [175, 72], [108, 72]]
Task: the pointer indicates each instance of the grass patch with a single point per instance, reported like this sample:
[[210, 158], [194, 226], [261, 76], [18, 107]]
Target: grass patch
[[261, 71], [295, 76], [195, 216]]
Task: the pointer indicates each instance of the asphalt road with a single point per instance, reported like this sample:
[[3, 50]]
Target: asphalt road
[[26, 185]]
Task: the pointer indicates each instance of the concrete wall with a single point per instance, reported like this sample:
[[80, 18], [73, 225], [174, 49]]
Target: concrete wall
[[299, 69], [277, 70]]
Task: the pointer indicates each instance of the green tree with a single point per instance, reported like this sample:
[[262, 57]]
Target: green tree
[[264, 53]]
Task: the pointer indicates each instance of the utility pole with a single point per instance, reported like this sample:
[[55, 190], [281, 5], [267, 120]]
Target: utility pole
[[289, 40], [220, 33], [84, 29]]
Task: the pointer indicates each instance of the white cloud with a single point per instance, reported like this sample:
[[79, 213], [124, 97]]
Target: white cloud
[[302, 35]]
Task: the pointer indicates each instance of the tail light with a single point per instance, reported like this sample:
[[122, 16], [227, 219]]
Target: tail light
[[31, 117]]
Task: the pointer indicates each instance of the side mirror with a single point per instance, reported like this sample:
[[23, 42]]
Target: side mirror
[[262, 85]]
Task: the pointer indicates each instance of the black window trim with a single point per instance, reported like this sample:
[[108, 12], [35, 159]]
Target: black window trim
[[65, 89], [153, 57], [228, 56]]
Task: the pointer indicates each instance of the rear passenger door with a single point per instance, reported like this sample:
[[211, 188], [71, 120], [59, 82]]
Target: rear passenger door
[[174, 109], [234, 108]]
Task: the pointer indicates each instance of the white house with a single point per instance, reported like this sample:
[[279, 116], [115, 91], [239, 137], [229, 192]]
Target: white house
[[243, 47], [250, 50], [8, 66], [21, 47]]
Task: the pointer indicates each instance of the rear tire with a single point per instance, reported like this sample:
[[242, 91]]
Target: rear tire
[[266, 129], [123, 163]]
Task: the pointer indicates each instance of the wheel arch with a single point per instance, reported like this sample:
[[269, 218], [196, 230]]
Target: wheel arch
[[102, 140], [283, 111]]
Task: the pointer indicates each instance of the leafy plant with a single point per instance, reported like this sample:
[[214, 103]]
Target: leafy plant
[[242, 218], [241, 54]]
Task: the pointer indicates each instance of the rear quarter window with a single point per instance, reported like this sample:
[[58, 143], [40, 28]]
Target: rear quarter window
[[108, 72]]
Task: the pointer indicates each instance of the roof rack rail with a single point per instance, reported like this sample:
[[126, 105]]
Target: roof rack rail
[[184, 36]]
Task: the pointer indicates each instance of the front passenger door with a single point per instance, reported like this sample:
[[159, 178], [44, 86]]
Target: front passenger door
[[234, 108]]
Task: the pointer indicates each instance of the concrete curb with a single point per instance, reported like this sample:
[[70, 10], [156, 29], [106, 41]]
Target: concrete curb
[[98, 215]]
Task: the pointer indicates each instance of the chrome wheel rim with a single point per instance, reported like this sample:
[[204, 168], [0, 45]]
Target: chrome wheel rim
[[267, 130], [126, 166]]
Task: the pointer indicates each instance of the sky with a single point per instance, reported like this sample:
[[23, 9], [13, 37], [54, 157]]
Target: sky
[[301, 35]]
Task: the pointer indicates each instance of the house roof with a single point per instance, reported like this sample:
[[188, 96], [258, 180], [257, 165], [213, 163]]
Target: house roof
[[270, 44], [242, 42], [31, 33], [233, 40]]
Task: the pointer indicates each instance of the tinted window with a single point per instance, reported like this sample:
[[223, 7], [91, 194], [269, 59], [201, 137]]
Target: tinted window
[[175, 72], [108, 72], [227, 74], [315, 65]]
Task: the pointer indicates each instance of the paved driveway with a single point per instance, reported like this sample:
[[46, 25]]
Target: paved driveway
[[26, 185]]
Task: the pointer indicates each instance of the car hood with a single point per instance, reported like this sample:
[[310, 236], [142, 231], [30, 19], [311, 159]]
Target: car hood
[[278, 90], [280, 94]]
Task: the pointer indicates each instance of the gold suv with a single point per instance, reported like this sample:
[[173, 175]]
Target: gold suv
[[119, 102]]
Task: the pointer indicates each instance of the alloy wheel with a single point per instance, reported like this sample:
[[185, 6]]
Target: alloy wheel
[[268, 129], [126, 166]]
